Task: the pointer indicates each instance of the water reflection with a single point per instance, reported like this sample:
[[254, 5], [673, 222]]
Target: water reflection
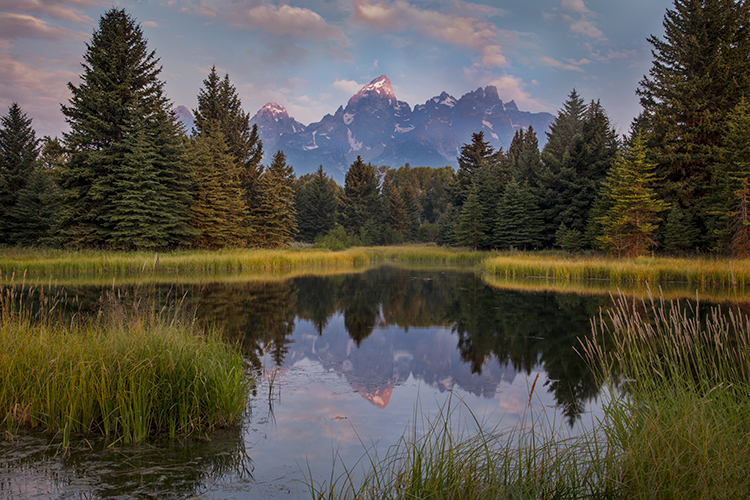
[[499, 332], [34, 465]]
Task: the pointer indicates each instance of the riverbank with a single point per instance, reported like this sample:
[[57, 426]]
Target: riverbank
[[698, 271], [129, 374]]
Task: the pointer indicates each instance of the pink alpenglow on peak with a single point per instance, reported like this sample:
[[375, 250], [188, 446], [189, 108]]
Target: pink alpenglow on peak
[[273, 111], [381, 86]]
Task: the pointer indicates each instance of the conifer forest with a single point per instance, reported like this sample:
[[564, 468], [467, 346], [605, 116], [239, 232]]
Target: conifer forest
[[127, 175]]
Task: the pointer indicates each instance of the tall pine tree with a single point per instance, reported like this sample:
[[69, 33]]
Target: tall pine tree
[[631, 221], [118, 108], [19, 151], [276, 216], [701, 70], [317, 205]]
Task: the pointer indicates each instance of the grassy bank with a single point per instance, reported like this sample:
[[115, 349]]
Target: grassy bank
[[693, 271], [676, 425], [128, 374]]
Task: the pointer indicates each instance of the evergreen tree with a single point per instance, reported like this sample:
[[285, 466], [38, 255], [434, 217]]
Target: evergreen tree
[[119, 107], [475, 156], [580, 150], [630, 223], [680, 234], [473, 226], [730, 171], [276, 216], [701, 70], [518, 222], [524, 158], [317, 205], [19, 151], [33, 219], [220, 106], [395, 210], [411, 205], [361, 193], [217, 198]]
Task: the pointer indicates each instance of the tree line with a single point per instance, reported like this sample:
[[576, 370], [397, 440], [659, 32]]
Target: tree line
[[128, 176]]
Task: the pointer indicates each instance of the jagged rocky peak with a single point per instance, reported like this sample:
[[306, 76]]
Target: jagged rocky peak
[[273, 111], [381, 86]]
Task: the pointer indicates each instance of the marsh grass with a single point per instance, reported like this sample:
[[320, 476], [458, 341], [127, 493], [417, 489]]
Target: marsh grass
[[452, 455], [682, 420], [694, 271], [130, 373]]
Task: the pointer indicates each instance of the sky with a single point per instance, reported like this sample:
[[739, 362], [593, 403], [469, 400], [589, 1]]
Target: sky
[[311, 56]]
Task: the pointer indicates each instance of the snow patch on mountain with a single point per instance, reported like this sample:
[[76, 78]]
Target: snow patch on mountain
[[353, 143], [349, 118]]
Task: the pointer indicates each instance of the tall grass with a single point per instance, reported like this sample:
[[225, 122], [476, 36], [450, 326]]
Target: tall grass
[[128, 374], [694, 271], [451, 455], [682, 423]]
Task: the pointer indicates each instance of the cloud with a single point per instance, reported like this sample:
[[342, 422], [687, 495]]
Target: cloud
[[577, 17], [510, 87], [574, 6], [280, 21], [348, 86], [449, 28], [57, 9], [38, 89], [151, 24], [548, 61], [13, 26]]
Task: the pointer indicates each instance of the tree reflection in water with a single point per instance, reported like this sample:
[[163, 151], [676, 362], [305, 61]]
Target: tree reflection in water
[[494, 328]]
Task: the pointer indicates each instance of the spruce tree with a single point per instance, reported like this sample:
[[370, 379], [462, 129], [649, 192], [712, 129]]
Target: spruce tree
[[518, 222], [118, 107], [317, 205], [700, 72], [33, 220], [19, 152], [580, 150], [220, 106], [473, 226], [217, 197], [731, 172], [635, 207], [361, 196], [276, 216], [475, 156]]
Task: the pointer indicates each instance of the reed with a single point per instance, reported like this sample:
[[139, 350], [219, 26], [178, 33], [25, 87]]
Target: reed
[[693, 271], [451, 455], [682, 420], [129, 374]]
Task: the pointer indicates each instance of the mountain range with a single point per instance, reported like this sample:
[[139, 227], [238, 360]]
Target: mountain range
[[375, 125]]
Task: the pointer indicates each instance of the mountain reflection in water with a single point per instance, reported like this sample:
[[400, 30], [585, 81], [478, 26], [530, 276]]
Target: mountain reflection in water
[[444, 327]]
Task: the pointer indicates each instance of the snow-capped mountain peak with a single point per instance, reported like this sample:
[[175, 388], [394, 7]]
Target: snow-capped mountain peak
[[381, 86], [273, 111]]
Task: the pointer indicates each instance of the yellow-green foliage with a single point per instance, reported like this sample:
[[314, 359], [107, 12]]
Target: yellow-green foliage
[[129, 375], [695, 271]]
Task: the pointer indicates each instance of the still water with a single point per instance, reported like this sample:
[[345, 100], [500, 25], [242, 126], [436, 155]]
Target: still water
[[345, 364]]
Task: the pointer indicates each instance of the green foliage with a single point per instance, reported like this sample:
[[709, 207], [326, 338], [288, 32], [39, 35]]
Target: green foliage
[[473, 226], [579, 152], [317, 204], [119, 116], [473, 158], [33, 220], [361, 202], [275, 215], [568, 239], [632, 219], [518, 222], [219, 107], [337, 239], [701, 71], [19, 151], [217, 208], [680, 234]]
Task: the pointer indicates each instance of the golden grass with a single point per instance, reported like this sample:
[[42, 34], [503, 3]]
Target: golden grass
[[697, 271]]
